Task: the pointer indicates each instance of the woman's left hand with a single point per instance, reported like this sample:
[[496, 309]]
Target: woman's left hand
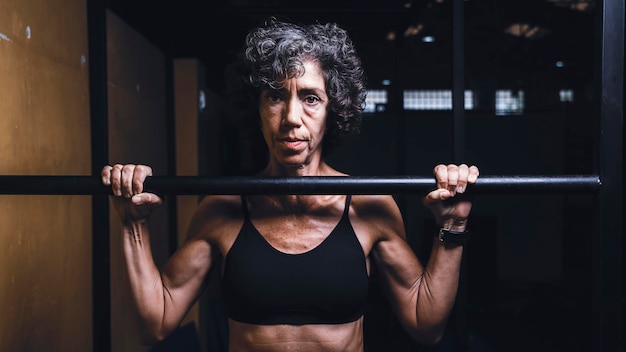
[[447, 203]]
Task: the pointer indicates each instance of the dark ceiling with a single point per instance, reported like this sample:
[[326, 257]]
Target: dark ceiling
[[211, 30]]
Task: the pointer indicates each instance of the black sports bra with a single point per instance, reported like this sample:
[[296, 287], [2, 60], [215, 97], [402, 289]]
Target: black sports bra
[[326, 285]]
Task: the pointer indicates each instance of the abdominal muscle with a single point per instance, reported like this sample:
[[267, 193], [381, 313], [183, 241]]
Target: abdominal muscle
[[346, 337]]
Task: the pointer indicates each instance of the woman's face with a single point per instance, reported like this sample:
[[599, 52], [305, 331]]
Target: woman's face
[[293, 119]]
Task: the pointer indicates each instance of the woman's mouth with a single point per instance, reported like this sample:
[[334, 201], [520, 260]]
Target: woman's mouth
[[292, 144]]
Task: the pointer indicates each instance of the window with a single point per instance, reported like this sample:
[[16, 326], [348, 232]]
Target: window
[[566, 95], [509, 103], [376, 100], [434, 100]]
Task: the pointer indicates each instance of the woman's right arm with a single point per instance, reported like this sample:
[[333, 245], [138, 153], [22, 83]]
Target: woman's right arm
[[161, 297]]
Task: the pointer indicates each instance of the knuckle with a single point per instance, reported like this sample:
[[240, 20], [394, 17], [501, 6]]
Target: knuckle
[[144, 169], [137, 184]]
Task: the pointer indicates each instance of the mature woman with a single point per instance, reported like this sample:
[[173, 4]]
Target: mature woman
[[296, 267]]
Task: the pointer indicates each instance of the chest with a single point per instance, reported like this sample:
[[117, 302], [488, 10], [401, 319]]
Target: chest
[[294, 234], [267, 285]]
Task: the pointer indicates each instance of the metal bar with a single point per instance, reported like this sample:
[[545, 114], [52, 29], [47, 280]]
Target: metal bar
[[458, 152], [190, 185], [458, 81], [608, 243], [100, 246]]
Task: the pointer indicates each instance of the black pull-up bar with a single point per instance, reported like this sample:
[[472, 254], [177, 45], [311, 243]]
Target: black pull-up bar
[[196, 185]]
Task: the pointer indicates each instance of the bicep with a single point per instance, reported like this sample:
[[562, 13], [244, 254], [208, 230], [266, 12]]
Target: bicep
[[397, 268], [398, 274], [214, 222], [185, 273], [190, 262]]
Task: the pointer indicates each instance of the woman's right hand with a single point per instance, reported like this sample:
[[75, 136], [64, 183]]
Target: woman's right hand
[[130, 201]]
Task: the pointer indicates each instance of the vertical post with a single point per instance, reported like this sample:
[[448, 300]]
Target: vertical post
[[101, 285], [458, 80], [608, 243], [458, 154], [171, 150]]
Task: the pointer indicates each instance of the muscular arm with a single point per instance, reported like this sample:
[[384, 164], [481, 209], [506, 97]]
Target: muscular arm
[[422, 297], [162, 298]]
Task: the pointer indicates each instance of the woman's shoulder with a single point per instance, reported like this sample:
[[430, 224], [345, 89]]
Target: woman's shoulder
[[376, 217], [374, 205], [221, 206], [216, 213]]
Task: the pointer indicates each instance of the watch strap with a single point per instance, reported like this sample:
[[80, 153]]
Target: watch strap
[[449, 237]]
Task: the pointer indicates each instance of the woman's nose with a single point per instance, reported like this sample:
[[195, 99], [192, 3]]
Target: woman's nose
[[292, 115]]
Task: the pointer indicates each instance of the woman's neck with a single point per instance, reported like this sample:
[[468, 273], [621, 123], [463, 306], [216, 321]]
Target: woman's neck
[[298, 203], [319, 168]]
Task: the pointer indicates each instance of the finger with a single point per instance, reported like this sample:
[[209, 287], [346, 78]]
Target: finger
[[441, 176], [139, 176], [127, 180], [453, 178], [473, 174], [146, 199], [105, 174], [437, 195], [116, 176], [462, 181]]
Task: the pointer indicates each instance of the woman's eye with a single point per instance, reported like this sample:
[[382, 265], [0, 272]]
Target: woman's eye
[[273, 97], [311, 99]]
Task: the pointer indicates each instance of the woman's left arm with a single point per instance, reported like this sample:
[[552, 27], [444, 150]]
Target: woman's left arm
[[423, 297]]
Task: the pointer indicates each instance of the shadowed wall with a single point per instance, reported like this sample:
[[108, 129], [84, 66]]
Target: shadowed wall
[[45, 242], [137, 134]]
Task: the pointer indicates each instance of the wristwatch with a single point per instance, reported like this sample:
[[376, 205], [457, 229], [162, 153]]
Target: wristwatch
[[453, 238]]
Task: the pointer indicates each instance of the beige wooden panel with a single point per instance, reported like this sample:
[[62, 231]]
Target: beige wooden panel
[[45, 241], [137, 134], [186, 122]]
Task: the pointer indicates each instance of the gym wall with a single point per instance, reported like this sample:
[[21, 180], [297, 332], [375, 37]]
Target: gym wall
[[45, 241], [137, 134]]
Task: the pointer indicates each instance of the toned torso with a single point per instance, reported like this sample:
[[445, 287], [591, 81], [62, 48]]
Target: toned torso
[[306, 338], [293, 225]]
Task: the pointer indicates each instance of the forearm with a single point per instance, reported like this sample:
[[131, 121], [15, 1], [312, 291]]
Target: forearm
[[144, 280], [437, 290]]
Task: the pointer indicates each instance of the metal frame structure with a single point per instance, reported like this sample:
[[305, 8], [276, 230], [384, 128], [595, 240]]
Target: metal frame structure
[[608, 243], [100, 246]]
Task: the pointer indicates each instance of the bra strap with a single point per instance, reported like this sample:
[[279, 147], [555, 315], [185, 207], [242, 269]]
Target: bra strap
[[346, 209], [244, 207]]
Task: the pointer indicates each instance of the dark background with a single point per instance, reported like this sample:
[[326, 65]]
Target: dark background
[[211, 30], [526, 284]]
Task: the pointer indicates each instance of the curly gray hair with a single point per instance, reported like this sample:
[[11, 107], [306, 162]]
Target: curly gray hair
[[277, 50]]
